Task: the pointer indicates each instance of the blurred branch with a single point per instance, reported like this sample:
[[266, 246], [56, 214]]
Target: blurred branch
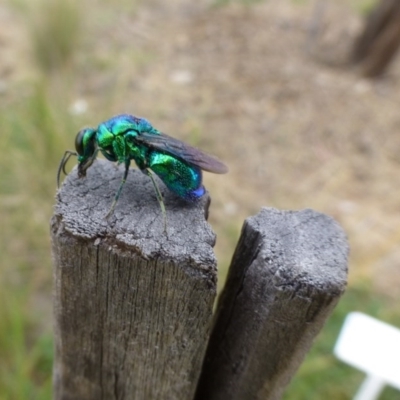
[[377, 45]]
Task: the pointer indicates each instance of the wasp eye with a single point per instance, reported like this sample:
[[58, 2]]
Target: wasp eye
[[79, 141]]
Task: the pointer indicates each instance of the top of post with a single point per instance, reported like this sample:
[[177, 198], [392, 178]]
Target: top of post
[[137, 221]]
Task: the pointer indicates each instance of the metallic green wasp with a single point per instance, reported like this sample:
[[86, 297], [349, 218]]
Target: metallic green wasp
[[124, 138]]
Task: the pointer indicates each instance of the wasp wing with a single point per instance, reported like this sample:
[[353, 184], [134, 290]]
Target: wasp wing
[[181, 150]]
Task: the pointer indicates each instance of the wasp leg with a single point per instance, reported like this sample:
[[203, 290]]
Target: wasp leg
[[159, 198], [114, 203], [67, 155]]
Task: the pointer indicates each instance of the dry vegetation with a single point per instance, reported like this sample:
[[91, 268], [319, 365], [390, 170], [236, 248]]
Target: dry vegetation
[[296, 125]]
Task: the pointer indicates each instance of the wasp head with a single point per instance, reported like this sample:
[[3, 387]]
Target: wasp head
[[86, 147]]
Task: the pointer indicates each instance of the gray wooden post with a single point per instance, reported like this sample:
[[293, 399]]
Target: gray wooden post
[[287, 274], [132, 308]]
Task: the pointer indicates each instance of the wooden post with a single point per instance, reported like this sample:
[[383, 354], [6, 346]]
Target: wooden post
[[287, 274], [377, 45], [132, 307]]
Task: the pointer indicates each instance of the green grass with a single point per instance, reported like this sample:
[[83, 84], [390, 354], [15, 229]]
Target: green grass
[[56, 30], [364, 7], [25, 370], [322, 376], [32, 132]]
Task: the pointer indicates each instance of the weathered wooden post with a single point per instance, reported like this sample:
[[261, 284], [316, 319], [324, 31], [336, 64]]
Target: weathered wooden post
[[378, 43], [287, 274], [132, 308]]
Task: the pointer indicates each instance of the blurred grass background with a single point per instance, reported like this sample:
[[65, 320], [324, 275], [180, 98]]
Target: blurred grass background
[[297, 129]]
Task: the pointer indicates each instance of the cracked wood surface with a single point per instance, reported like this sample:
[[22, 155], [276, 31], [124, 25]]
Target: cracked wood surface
[[132, 307], [287, 274]]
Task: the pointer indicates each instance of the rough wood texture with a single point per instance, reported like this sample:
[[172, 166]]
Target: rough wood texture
[[380, 39], [287, 274], [132, 308]]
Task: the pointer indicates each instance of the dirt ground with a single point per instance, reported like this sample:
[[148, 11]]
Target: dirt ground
[[267, 89]]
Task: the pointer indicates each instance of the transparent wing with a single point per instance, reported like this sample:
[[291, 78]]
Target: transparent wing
[[182, 150]]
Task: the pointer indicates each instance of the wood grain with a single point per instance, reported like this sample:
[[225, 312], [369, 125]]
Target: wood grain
[[132, 307], [287, 274]]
